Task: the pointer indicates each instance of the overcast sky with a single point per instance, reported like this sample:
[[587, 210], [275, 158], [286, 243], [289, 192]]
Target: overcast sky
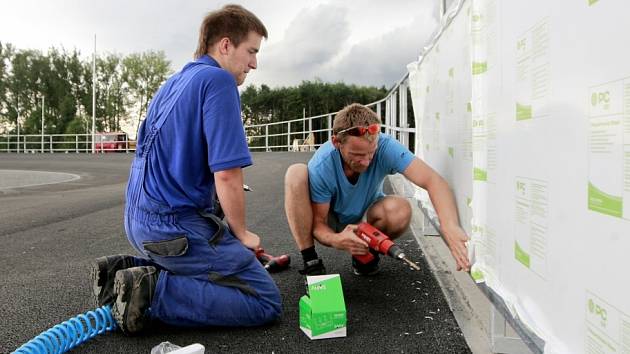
[[365, 42]]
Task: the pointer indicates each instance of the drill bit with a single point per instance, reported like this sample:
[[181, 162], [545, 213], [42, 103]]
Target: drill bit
[[411, 264]]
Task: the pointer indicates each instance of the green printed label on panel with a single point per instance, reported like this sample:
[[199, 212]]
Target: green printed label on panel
[[523, 111], [451, 152], [479, 68], [603, 202], [477, 275], [479, 174], [451, 72], [468, 107], [591, 2], [521, 255]]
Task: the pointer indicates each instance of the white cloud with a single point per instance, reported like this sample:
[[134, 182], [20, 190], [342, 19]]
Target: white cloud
[[382, 60], [355, 41], [312, 39], [316, 45]]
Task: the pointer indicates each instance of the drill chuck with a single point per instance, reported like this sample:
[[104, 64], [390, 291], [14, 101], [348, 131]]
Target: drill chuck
[[396, 252]]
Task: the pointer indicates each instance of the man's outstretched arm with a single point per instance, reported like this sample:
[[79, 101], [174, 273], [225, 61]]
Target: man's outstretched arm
[[443, 200]]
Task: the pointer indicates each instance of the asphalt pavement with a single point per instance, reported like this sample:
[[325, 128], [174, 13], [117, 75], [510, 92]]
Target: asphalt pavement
[[51, 232]]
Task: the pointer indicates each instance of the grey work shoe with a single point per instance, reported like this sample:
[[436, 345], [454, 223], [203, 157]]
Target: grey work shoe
[[102, 273], [313, 267], [369, 268], [135, 287]]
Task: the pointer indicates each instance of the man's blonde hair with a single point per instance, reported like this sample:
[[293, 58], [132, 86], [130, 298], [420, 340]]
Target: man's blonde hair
[[353, 115]]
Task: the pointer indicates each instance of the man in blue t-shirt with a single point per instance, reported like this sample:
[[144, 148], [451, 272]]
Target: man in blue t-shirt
[[343, 185], [194, 269]]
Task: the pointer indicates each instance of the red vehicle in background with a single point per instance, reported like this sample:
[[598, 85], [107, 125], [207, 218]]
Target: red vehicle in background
[[113, 142]]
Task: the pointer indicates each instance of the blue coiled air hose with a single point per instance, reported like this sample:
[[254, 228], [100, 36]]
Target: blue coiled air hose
[[71, 333]]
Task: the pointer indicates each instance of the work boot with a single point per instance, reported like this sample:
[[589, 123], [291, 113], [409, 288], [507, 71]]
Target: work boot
[[313, 267], [134, 288], [102, 273], [370, 268]]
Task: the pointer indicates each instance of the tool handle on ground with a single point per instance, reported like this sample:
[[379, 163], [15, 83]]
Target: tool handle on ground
[[271, 263], [277, 264]]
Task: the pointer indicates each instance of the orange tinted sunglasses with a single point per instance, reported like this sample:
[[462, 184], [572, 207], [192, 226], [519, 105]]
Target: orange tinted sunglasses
[[371, 129]]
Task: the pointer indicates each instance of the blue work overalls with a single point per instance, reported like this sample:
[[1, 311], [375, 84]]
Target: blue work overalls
[[207, 278]]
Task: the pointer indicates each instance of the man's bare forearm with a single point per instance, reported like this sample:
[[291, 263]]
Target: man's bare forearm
[[323, 234], [229, 185]]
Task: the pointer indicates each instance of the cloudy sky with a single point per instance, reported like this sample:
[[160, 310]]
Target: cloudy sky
[[365, 42]]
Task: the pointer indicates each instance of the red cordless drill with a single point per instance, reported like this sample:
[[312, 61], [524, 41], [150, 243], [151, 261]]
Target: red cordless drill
[[381, 243], [271, 263]]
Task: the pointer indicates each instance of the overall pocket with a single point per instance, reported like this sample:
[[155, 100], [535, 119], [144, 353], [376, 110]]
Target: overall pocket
[[167, 248]]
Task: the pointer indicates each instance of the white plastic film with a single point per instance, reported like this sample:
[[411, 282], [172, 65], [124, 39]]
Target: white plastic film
[[525, 109]]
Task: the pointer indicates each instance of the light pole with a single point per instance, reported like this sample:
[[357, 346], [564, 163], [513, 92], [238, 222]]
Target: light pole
[[94, 96], [43, 99], [17, 122]]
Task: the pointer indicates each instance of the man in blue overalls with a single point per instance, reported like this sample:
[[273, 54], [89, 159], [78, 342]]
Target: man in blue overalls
[[194, 270]]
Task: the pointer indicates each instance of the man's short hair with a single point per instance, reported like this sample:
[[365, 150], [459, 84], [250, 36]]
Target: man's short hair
[[353, 115], [231, 21]]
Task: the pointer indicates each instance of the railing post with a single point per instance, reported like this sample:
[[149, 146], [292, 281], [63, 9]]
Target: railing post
[[330, 126], [387, 114], [289, 136], [266, 138], [394, 116], [310, 128], [76, 144], [51, 144], [402, 92], [378, 111]]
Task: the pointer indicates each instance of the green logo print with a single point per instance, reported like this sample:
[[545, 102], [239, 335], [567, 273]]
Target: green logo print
[[479, 67], [598, 311], [521, 44], [591, 2], [523, 111], [601, 99], [520, 187]]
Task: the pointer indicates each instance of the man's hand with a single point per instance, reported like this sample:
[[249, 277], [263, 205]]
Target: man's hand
[[250, 240], [456, 238], [347, 240]]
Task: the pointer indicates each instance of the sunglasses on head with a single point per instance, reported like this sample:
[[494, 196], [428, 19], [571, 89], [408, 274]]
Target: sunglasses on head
[[371, 129]]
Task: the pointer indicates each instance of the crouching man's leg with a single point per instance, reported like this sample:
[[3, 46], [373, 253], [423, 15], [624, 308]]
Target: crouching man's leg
[[297, 205], [391, 215]]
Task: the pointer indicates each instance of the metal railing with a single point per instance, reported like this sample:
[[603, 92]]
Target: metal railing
[[61, 143], [302, 134], [306, 134]]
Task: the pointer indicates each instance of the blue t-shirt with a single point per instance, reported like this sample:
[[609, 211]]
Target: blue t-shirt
[[329, 184], [202, 134]]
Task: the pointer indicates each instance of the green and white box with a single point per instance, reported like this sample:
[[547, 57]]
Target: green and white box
[[323, 313]]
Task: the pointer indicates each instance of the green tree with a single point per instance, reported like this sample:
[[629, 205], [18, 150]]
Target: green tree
[[311, 98], [144, 73]]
